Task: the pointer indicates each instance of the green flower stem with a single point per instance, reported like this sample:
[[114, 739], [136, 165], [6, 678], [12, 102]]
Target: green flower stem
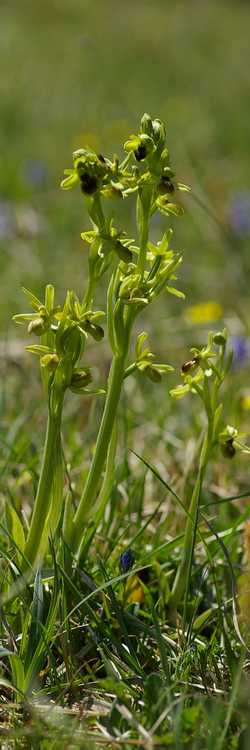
[[184, 570], [129, 370], [89, 294], [143, 217], [43, 496], [104, 494], [88, 498]]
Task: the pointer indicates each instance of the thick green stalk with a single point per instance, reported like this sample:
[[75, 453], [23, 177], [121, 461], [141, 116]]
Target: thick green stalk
[[43, 496], [143, 216], [124, 319], [115, 381]]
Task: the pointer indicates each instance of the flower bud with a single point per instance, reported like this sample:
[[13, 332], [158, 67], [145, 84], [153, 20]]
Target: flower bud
[[146, 124], [219, 338], [126, 559], [50, 361], [80, 379], [159, 132], [38, 326]]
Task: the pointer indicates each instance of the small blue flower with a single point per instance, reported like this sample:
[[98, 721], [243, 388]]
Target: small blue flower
[[127, 559]]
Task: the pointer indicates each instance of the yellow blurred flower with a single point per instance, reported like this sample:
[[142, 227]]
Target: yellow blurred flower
[[245, 402], [133, 591], [205, 312]]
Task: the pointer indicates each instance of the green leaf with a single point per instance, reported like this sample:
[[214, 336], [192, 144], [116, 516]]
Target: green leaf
[[202, 620], [15, 527], [17, 671], [32, 638], [7, 684]]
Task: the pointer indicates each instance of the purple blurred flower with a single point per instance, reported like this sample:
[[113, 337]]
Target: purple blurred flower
[[35, 172], [127, 559], [241, 350], [5, 220], [239, 214]]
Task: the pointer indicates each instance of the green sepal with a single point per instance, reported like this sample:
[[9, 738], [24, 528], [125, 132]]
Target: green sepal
[[169, 208], [39, 349], [70, 181], [175, 292], [180, 391]]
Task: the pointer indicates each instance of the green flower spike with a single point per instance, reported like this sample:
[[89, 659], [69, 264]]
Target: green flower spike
[[139, 271]]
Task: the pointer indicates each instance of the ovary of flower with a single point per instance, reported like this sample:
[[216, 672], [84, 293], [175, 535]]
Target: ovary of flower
[[205, 312]]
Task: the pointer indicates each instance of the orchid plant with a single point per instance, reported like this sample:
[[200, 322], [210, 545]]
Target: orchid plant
[[136, 272]]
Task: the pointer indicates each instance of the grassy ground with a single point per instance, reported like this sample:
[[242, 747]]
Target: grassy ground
[[108, 671]]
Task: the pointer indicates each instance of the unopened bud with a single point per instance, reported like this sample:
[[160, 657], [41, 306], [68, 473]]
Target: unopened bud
[[219, 338], [159, 132], [37, 326], [80, 379], [146, 124], [50, 361]]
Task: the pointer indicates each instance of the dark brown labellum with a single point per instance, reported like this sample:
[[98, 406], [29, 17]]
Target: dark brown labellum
[[190, 364], [228, 449], [144, 575], [165, 185], [89, 184], [141, 152]]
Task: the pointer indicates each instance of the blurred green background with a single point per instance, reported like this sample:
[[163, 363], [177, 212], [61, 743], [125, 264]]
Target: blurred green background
[[77, 72]]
